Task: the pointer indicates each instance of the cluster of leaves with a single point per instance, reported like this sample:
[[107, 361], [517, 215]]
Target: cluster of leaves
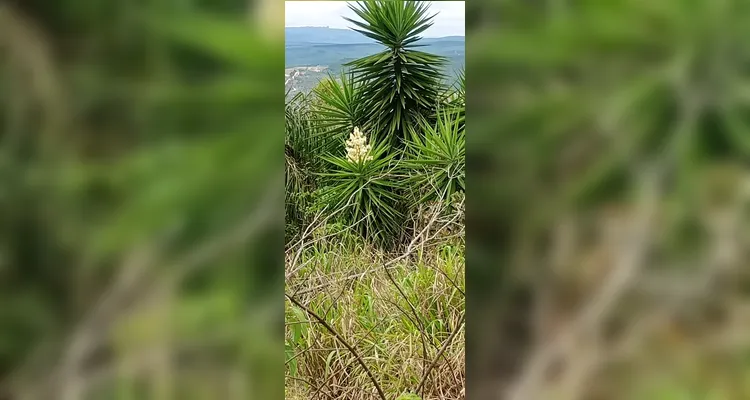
[[414, 123]]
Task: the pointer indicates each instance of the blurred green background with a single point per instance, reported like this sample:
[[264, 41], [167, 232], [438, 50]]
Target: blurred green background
[[141, 237], [140, 198], [608, 199]]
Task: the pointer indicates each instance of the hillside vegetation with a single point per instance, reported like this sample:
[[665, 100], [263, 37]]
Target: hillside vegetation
[[375, 181]]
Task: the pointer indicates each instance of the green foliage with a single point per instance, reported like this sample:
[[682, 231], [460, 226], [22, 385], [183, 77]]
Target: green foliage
[[397, 141], [342, 105], [151, 109], [398, 90], [649, 95], [368, 193], [370, 312], [304, 143], [297, 339], [219, 37], [401, 83], [436, 155], [573, 100], [455, 97]]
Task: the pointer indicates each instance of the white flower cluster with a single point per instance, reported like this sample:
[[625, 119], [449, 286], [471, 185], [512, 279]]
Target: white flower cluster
[[357, 149]]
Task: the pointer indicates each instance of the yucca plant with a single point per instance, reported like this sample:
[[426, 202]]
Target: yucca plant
[[340, 104], [303, 146], [436, 157], [455, 96], [400, 84], [365, 189], [306, 139]]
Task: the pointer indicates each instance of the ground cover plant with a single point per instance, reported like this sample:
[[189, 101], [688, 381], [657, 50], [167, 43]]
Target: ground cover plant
[[375, 198]]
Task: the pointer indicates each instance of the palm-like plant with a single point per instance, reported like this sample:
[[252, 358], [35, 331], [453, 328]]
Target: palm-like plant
[[455, 96], [436, 155], [367, 193], [303, 144], [402, 84], [340, 105]]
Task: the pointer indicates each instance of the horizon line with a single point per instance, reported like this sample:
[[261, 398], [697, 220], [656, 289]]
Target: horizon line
[[350, 29]]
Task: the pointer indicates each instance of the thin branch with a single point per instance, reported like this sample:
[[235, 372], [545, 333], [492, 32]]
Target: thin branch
[[442, 350], [343, 341]]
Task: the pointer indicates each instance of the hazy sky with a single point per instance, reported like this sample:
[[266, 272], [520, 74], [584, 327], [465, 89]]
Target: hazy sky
[[448, 22]]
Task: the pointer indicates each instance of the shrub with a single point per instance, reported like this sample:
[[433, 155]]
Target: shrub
[[340, 105], [305, 142], [436, 158], [367, 192]]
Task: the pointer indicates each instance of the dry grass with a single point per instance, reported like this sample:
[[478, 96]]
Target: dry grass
[[398, 320]]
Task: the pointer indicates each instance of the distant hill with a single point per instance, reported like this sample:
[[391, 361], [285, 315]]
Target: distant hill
[[320, 46], [315, 34], [323, 35]]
